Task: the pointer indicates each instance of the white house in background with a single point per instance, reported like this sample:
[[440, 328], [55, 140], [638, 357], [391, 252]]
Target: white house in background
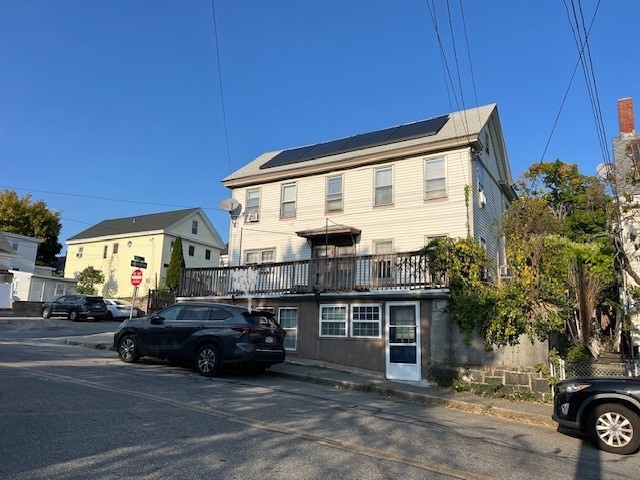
[[111, 245], [626, 156], [30, 282]]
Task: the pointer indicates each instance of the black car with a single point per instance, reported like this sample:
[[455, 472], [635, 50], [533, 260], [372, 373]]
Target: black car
[[209, 335], [76, 307], [607, 409]]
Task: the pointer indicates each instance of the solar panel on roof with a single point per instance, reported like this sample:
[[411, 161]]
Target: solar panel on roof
[[424, 128]]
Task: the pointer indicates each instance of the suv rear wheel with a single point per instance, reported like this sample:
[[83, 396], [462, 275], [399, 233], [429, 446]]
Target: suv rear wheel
[[208, 360], [73, 315], [614, 428]]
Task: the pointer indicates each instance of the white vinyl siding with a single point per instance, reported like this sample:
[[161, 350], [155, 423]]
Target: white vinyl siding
[[412, 218]]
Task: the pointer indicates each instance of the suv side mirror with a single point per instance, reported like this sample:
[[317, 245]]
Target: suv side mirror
[[156, 319]]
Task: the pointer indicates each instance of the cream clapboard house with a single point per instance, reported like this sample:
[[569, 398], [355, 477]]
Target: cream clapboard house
[[326, 236], [111, 245]]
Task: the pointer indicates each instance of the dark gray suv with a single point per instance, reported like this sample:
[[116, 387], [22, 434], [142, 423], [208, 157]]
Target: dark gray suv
[[76, 307], [208, 335]]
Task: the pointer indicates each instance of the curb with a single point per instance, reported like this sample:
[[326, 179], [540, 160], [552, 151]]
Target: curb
[[499, 412], [371, 387]]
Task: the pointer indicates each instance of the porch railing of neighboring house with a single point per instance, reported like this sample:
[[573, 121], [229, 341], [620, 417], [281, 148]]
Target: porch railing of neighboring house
[[341, 274]]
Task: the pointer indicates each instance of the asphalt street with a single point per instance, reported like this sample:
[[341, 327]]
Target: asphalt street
[[74, 412]]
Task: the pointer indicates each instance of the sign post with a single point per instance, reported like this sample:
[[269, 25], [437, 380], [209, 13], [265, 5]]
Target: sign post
[[136, 279]]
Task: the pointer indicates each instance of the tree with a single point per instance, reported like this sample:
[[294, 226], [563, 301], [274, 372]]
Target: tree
[[175, 265], [32, 219], [87, 279], [561, 247]]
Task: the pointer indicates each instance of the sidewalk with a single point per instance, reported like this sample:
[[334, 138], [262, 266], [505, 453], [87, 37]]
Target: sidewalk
[[338, 376]]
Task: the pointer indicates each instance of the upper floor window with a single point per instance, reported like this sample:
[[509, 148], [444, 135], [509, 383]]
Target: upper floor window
[[194, 227], [334, 194], [480, 169], [252, 209], [105, 251], [80, 251], [383, 186], [486, 143], [435, 180], [288, 206], [115, 248], [254, 257], [207, 254], [192, 250]]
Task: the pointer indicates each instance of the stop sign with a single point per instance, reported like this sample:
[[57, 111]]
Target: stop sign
[[136, 277]]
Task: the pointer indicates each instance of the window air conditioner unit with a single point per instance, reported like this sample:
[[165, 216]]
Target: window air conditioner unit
[[252, 217], [482, 199]]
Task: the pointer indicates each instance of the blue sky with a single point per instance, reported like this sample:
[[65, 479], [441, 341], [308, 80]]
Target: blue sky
[[112, 108]]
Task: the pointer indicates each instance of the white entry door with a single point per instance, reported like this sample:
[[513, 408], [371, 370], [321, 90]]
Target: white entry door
[[403, 341]]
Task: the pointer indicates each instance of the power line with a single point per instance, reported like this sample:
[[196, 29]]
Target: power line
[[224, 112], [108, 199]]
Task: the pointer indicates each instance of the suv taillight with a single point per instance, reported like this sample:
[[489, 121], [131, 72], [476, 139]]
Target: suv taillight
[[246, 329]]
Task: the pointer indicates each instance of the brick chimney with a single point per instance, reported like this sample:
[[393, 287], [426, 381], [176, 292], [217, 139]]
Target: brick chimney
[[625, 117]]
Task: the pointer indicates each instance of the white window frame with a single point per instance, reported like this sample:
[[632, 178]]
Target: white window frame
[[116, 247], [435, 193], [382, 187], [285, 201], [262, 256], [292, 331], [252, 204], [333, 321], [480, 169], [383, 268], [334, 197], [377, 323], [191, 249], [57, 293], [194, 227]]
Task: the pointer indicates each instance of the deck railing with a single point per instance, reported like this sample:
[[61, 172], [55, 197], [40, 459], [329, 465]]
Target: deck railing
[[342, 274]]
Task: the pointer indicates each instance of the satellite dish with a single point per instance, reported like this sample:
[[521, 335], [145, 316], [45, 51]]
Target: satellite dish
[[229, 204]]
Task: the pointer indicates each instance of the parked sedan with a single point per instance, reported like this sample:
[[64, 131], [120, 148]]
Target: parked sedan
[[118, 309], [607, 409], [75, 307], [211, 336]]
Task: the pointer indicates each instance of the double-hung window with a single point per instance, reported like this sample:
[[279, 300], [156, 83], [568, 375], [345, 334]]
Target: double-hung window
[[288, 319], [333, 320], [252, 209], [356, 321], [383, 265], [435, 178], [365, 321], [334, 194], [288, 205], [254, 257], [383, 186], [194, 227]]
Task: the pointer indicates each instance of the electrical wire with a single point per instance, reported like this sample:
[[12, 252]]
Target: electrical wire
[[224, 111]]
